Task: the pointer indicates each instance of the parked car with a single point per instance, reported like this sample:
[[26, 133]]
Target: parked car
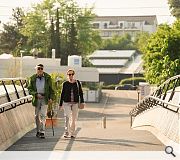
[[126, 87]]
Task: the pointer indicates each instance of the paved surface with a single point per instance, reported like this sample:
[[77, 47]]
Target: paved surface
[[91, 135]]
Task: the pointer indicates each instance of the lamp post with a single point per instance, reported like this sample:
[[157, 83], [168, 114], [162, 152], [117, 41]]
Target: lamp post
[[21, 62], [133, 72], [57, 47], [57, 33]]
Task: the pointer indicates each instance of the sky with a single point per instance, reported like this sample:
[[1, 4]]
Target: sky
[[103, 8]]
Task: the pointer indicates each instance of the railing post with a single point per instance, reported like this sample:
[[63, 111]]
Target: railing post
[[15, 89], [104, 121], [131, 120], [23, 87], [7, 94]]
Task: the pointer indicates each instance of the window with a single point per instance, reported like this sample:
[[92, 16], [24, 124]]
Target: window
[[105, 25], [133, 25], [129, 24], [121, 25], [96, 25]]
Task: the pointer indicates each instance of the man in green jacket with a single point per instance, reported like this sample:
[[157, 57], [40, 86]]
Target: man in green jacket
[[40, 87]]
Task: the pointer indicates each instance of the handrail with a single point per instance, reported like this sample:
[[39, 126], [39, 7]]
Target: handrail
[[17, 89], [149, 99], [15, 101], [158, 97], [168, 80], [14, 104], [9, 79], [163, 101]]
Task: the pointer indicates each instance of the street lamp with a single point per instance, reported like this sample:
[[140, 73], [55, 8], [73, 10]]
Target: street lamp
[[57, 33], [21, 62], [133, 71]]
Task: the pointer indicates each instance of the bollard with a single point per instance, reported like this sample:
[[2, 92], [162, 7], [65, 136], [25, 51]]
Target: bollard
[[104, 121], [138, 95]]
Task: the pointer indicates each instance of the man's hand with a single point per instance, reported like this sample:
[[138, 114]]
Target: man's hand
[[50, 101], [60, 108], [39, 96]]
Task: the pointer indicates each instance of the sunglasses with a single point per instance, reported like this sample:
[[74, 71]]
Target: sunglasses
[[71, 74], [39, 68]]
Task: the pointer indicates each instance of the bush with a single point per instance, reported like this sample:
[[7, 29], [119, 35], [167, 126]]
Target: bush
[[91, 85], [57, 80], [112, 86], [130, 81]]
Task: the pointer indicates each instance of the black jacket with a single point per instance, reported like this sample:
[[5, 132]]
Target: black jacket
[[66, 92]]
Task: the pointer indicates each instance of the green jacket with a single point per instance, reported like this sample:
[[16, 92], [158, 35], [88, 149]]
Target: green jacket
[[49, 92]]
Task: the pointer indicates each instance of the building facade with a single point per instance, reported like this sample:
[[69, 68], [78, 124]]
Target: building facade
[[115, 65], [108, 26]]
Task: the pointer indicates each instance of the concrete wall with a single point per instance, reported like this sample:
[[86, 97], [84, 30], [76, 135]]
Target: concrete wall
[[14, 68], [15, 123], [163, 123]]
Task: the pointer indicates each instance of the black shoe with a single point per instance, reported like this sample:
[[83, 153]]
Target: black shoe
[[38, 134], [42, 135], [72, 136]]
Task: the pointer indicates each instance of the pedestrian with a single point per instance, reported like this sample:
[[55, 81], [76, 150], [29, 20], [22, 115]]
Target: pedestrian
[[70, 96], [40, 87]]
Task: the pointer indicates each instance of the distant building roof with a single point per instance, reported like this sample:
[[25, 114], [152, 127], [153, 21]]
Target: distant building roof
[[111, 54], [149, 19], [117, 61], [109, 62], [134, 67], [109, 70]]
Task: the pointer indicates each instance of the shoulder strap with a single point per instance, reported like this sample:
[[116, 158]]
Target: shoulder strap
[[77, 86]]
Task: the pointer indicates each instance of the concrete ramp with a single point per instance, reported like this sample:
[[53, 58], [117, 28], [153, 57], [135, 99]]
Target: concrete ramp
[[16, 111], [159, 113]]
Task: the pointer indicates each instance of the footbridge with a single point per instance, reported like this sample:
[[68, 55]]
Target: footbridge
[[159, 113], [117, 123], [16, 111]]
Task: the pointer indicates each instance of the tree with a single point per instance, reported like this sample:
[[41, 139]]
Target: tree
[[18, 15], [36, 31], [141, 40], [162, 58], [11, 37], [71, 29], [175, 7], [118, 43]]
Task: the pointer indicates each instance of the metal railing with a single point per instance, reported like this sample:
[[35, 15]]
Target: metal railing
[[162, 96], [18, 85]]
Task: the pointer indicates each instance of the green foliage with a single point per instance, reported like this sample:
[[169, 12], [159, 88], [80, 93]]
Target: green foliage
[[141, 40], [175, 7], [136, 81], [162, 58], [112, 86], [11, 39], [118, 43], [35, 30], [57, 80], [44, 27], [86, 62], [91, 85]]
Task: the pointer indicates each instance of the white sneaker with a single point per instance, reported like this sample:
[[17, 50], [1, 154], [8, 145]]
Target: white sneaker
[[66, 134]]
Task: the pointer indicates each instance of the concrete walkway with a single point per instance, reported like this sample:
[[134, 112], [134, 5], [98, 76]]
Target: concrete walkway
[[117, 136]]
